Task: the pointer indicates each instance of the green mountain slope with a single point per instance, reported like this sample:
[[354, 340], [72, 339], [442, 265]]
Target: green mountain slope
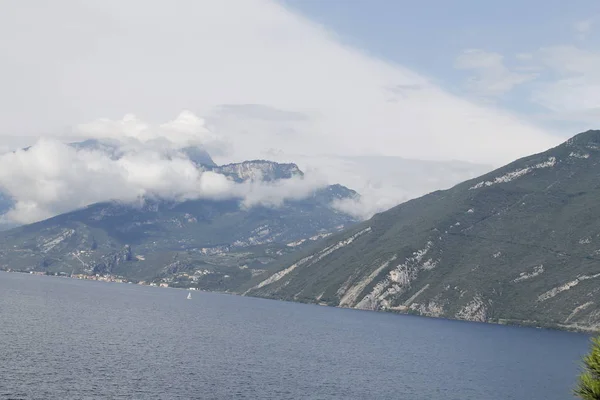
[[518, 245], [206, 244]]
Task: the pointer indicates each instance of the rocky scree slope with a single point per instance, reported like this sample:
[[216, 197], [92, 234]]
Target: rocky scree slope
[[518, 245]]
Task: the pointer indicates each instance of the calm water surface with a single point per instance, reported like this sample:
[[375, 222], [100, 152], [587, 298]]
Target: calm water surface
[[68, 339]]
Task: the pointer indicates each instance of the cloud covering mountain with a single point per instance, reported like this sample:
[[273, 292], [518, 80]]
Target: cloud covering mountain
[[262, 82], [262, 75], [128, 159], [132, 161]]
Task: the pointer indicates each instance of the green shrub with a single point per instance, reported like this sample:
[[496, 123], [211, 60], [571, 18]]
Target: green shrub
[[588, 387]]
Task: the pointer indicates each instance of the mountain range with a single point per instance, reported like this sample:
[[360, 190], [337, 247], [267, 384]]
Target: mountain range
[[519, 245], [216, 244]]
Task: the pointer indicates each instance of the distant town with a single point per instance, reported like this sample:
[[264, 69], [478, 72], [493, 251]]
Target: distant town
[[96, 277]]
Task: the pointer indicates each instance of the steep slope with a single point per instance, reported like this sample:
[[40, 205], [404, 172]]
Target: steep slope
[[218, 244], [518, 245]]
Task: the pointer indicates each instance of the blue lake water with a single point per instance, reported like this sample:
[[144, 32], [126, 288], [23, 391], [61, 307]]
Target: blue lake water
[[69, 339]]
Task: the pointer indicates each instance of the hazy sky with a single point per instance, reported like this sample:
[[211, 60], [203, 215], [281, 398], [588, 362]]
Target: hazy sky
[[257, 61], [537, 59], [300, 80]]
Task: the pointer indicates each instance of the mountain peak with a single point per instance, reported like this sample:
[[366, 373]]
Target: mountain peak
[[198, 156], [259, 170]]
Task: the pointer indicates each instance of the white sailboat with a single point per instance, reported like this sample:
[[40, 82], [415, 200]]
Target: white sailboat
[[189, 296]]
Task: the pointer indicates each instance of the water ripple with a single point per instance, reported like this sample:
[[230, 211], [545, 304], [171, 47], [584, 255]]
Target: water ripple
[[67, 339]]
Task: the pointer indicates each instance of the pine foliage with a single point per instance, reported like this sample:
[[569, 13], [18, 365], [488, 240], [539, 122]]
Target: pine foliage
[[588, 387]]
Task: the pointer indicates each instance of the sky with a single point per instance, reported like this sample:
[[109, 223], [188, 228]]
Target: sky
[[430, 93], [537, 59]]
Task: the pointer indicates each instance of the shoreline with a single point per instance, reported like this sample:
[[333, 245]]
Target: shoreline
[[573, 328]]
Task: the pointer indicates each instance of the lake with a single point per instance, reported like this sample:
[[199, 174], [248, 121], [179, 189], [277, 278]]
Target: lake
[[68, 339]]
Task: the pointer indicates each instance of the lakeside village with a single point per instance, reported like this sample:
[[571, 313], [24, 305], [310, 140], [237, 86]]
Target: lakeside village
[[164, 282]]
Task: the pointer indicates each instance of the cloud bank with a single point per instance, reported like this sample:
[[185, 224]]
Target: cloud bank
[[186, 130], [268, 83], [492, 77], [51, 178], [132, 159], [261, 75], [384, 182]]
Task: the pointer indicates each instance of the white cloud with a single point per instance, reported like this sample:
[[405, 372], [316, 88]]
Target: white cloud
[[584, 27], [274, 193], [185, 130], [492, 77], [268, 84], [106, 59], [384, 182], [51, 178], [567, 80], [575, 94]]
